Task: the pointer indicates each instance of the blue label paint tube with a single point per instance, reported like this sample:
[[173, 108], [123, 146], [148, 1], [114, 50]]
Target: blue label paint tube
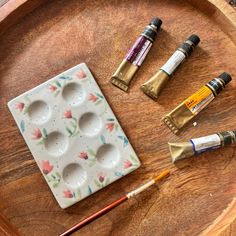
[[181, 150]]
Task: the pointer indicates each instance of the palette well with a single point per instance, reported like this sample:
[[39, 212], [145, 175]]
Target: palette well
[[73, 135]]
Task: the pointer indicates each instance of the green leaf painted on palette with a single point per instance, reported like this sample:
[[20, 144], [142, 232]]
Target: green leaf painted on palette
[[119, 174], [45, 134], [53, 176], [110, 119], [75, 133], [78, 193], [63, 77], [116, 126], [41, 142], [107, 181], [99, 95], [22, 126], [69, 131], [133, 159], [58, 175], [125, 140], [102, 139], [89, 190], [91, 162], [97, 183], [58, 83], [27, 99], [56, 93], [26, 109], [73, 124], [55, 184], [91, 152], [98, 102]]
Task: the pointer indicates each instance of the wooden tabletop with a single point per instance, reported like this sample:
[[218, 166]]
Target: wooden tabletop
[[60, 34]]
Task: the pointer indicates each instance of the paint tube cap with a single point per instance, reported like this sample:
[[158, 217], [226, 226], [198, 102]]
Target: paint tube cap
[[225, 77], [156, 22], [194, 39]]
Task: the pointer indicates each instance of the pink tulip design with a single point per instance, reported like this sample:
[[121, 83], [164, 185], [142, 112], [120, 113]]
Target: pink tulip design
[[68, 114], [110, 126], [83, 155], [20, 106], [81, 74], [36, 134], [53, 88], [68, 194], [92, 97], [46, 167], [127, 164]]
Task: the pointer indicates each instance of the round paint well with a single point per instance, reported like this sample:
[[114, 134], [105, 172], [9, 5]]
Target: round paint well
[[90, 124], [56, 143], [108, 155], [73, 94], [39, 112], [74, 175]]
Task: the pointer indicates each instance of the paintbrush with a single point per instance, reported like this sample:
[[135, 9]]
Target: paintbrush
[[116, 203]]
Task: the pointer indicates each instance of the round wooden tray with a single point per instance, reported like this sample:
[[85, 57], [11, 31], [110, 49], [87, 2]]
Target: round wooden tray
[[61, 34]]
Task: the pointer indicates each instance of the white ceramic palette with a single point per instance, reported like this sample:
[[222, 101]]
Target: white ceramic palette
[[73, 135]]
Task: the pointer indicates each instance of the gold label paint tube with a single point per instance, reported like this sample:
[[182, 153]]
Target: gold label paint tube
[[154, 86], [181, 150], [136, 55], [190, 107]]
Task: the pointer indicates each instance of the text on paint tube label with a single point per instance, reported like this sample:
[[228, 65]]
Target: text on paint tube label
[[199, 100], [174, 61], [206, 143], [139, 51]]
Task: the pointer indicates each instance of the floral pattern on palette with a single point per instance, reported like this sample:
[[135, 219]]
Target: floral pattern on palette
[[64, 121], [57, 86], [72, 126]]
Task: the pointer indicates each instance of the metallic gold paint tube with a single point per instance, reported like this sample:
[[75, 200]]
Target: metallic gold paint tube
[[181, 150], [136, 55], [190, 107], [154, 86]]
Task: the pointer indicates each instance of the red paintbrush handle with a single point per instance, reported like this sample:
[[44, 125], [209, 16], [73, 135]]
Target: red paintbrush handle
[[94, 216]]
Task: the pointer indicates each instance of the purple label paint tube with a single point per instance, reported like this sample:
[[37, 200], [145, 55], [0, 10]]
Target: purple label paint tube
[[136, 55], [185, 149]]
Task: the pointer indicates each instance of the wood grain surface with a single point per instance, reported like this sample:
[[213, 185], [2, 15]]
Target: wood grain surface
[[225, 224], [63, 33]]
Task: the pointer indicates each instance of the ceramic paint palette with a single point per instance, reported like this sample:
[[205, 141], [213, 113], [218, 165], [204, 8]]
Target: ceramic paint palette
[[73, 135]]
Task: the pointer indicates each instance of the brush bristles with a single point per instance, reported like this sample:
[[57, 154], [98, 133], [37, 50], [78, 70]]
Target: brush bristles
[[163, 175]]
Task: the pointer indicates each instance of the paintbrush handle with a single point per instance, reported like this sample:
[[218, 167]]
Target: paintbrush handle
[[95, 215], [111, 206]]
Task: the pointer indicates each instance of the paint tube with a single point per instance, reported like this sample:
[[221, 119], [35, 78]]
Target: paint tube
[[136, 55], [190, 107], [186, 149], [157, 82]]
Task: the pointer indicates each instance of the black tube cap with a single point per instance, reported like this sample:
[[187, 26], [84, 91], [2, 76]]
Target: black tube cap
[[194, 39], [156, 22], [226, 77]]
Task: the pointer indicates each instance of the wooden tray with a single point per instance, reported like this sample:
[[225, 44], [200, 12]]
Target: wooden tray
[[198, 197]]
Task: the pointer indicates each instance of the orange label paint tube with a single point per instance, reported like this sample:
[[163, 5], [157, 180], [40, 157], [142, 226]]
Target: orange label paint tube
[[136, 55], [157, 82], [190, 107], [186, 149]]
